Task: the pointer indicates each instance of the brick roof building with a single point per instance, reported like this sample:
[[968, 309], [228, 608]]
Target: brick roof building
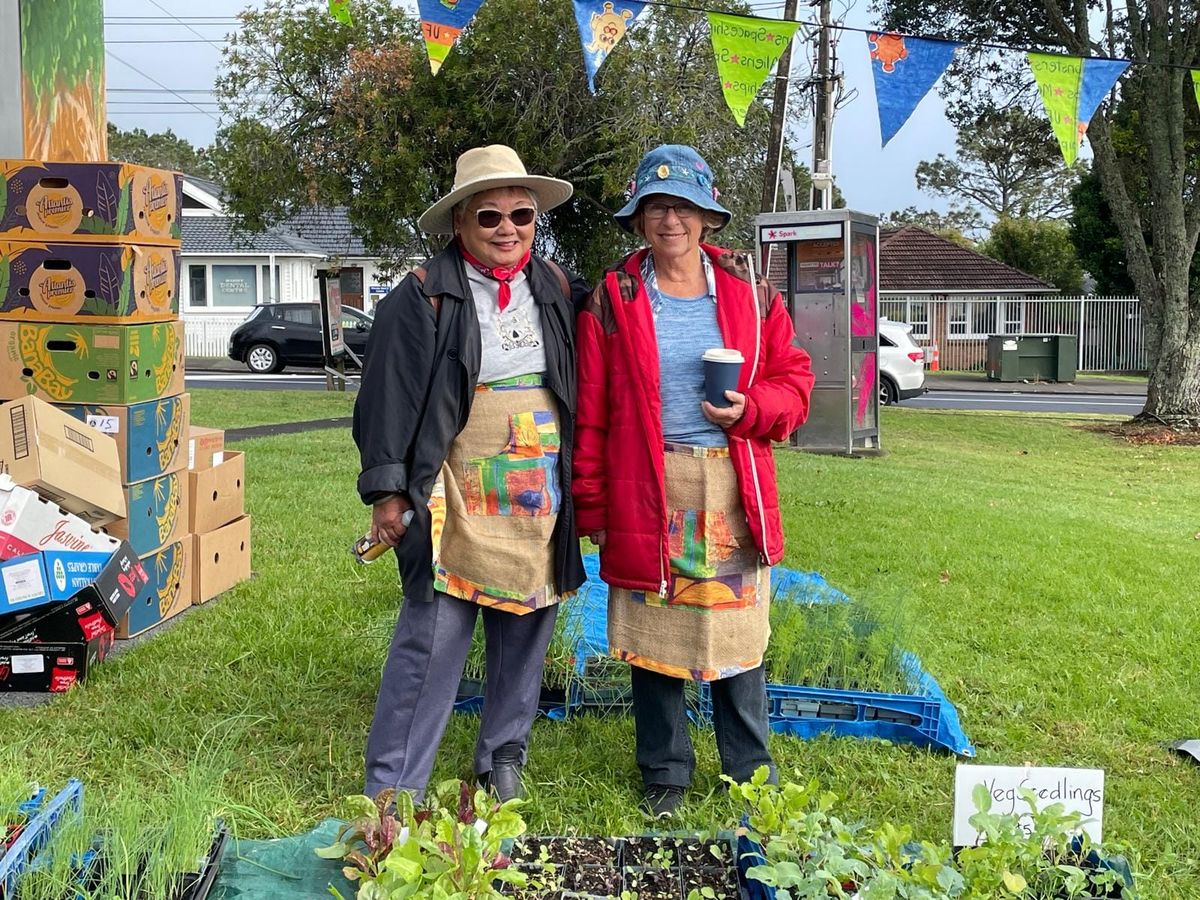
[[913, 260]]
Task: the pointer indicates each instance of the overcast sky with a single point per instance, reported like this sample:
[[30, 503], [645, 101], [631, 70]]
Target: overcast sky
[[187, 59]]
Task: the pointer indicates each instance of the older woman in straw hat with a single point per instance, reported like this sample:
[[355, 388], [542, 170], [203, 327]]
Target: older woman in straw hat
[[466, 411]]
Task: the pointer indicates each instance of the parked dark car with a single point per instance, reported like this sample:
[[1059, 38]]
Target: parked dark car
[[275, 335]]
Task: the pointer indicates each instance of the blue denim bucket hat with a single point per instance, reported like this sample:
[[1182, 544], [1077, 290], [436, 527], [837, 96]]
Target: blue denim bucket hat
[[678, 171]]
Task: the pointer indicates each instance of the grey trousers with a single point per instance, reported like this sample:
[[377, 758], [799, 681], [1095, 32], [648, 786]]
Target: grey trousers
[[420, 681]]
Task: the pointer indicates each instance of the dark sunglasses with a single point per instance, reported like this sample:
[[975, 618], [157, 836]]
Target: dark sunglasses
[[491, 218]]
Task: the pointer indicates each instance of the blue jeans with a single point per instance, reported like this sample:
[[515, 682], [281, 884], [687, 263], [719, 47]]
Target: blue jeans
[[664, 747]]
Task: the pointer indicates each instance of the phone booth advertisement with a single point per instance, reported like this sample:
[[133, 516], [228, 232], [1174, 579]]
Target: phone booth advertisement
[[829, 262]]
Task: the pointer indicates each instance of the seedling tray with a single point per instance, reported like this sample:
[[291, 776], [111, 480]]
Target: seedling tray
[[200, 889], [36, 833], [632, 864]]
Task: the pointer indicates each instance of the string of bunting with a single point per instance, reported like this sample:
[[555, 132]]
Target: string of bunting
[[747, 48]]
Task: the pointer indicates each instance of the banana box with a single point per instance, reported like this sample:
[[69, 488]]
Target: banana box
[[150, 436], [91, 363], [95, 283], [217, 495], [220, 560], [170, 572], [89, 201], [158, 512]]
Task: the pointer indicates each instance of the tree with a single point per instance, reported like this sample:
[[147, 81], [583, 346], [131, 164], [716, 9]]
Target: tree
[[1008, 165], [1150, 174], [163, 150], [958, 225], [1040, 248], [1096, 238], [350, 115]]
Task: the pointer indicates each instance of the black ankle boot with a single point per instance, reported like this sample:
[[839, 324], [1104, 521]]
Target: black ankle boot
[[505, 778]]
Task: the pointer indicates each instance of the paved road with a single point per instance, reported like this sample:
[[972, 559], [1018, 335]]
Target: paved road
[[1110, 404]]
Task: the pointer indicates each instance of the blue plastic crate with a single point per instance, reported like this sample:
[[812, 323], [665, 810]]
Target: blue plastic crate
[[925, 718], [33, 804], [68, 801]]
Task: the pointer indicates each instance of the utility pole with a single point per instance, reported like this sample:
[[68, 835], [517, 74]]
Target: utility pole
[[822, 192], [778, 119]]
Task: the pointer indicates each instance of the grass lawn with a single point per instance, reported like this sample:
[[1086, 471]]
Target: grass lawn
[[217, 408], [1053, 574]]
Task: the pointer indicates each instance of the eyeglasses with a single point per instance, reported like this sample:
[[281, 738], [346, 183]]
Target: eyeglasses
[[491, 218], [656, 209]]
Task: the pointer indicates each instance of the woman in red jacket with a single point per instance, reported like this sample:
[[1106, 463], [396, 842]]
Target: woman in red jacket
[[680, 494]]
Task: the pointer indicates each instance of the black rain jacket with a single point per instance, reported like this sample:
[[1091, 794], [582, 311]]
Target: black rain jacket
[[418, 383]]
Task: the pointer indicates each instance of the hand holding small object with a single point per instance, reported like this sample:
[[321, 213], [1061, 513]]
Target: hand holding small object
[[390, 519]]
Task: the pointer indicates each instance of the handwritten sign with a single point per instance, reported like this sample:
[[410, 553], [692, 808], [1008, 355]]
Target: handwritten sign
[[1078, 790]]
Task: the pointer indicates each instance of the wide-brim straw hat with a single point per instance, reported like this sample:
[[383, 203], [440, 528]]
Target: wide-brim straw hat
[[485, 168]]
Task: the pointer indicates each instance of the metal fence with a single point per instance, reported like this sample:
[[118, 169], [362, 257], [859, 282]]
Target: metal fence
[[1109, 329], [208, 335]]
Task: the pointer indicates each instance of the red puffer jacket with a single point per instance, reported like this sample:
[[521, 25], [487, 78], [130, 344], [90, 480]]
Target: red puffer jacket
[[618, 472]]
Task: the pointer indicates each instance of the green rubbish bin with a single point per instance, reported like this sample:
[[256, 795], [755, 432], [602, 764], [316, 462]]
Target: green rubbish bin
[[1032, 357]]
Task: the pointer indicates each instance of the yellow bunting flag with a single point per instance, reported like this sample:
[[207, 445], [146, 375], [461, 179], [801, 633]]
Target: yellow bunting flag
[[1058, 79], [747, 50], [340, 10]]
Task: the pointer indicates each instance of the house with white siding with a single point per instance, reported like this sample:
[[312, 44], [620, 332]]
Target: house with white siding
[[226, 272]]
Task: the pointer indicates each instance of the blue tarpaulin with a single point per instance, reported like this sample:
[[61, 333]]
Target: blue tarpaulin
[[925, 717]]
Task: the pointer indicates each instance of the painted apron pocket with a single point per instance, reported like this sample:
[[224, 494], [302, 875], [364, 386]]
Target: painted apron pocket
[[708, 565], [522, 480]]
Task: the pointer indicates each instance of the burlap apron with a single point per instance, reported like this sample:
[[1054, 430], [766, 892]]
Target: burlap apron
[[713, 621], [501, 493]]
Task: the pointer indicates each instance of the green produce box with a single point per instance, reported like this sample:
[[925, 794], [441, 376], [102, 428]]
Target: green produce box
[[92, 283], [71, 363]]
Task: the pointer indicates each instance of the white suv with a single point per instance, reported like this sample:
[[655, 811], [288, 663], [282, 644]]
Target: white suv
[[901, 363]]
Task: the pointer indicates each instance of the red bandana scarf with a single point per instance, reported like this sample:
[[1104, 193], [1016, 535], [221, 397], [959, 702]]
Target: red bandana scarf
[[499, 273]]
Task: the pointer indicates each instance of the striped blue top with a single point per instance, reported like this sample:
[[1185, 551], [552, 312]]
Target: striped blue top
[[685, 327]]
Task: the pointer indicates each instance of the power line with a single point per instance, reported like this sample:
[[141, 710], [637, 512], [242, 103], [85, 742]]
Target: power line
[[163, 112], [175, 91], [150, 20], [158, 5], [210, 104], [159, 83], [168, 41]]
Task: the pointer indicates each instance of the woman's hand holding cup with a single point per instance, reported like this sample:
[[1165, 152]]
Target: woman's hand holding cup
[[723, 405]]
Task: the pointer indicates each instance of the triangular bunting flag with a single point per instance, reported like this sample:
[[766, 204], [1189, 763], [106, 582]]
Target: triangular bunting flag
[[1099, 76], [340, 10], [747, 50], [601, 27], [1058, 80], [1072, 89], [905, 68], [442, 21], [1196, 83]]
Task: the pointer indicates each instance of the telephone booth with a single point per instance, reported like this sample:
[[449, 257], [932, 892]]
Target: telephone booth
[[826, 265]]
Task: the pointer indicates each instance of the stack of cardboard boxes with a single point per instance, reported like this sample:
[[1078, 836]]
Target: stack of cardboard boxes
[[64, 586], [89, 321], [220, 529]]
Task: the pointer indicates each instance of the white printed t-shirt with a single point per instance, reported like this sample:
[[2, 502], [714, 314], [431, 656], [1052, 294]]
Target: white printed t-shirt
[[512, 340]]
